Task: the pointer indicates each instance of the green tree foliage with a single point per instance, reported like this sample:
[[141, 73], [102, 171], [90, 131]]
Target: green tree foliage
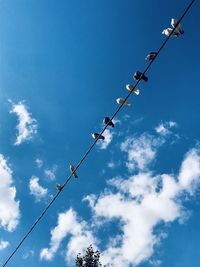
[[90, 259]]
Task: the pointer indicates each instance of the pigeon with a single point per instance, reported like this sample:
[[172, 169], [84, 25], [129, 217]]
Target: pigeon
[[98, 136], [72, 170], [59, 187], [107, 121], [133, 89], [178, 26], [139, 75], [151, 56], [168, 32], [122, 101]]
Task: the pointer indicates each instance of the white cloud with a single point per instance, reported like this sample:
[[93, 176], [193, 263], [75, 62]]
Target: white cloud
[[27, 126], [50, 173], [164, 127], [37, 190], [141, 151], [189, 172], [68, 224], [3, 244], [39, 163], [141, 203], [108, 134], [9, 206]]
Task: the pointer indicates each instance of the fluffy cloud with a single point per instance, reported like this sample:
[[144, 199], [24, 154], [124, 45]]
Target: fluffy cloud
[[27, 126], [68, 224], [3, 244], [9, 206], [141, 203], [141, 151], [37, 190]]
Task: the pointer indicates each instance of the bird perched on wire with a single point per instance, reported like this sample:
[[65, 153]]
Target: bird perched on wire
[[168, 32], [151, 56], [139, 75], [98, 136], [72, 170], [59, 187], [107, 121], [178, 26], [123, 101], [133, 89]]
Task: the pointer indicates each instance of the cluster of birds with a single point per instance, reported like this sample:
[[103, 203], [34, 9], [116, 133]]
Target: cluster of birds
[[176, 31]]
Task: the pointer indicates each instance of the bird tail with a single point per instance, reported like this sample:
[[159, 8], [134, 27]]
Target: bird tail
[[136, 91], [145, 78]]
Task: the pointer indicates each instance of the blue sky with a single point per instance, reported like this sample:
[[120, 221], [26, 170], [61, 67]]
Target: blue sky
[[62, 65]]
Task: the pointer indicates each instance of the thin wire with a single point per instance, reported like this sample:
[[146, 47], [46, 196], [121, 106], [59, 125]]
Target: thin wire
[[93, 144]]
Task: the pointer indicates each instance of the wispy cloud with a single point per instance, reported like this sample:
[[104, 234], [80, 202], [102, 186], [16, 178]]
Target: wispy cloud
[[108, 134], [37, 190], [39, 163], [68, 224], [28, 254], [141, 150], [164, 127], [155, 263], [9, 206], [51, 173], [111, 165], [27, 126], [3, 244]]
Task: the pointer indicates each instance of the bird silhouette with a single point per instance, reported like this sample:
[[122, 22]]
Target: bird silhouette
[[168, 31], [151, 56], [72, 170], [98, 136], [107, 121], [122, 101], [139, 75], [178, 26], [59, 187], [133, 89]]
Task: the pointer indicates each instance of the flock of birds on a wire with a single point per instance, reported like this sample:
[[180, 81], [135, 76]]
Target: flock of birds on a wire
[[175, 31]]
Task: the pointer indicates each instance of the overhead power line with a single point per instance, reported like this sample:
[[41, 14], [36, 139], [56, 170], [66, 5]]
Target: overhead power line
[[95, 141]]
